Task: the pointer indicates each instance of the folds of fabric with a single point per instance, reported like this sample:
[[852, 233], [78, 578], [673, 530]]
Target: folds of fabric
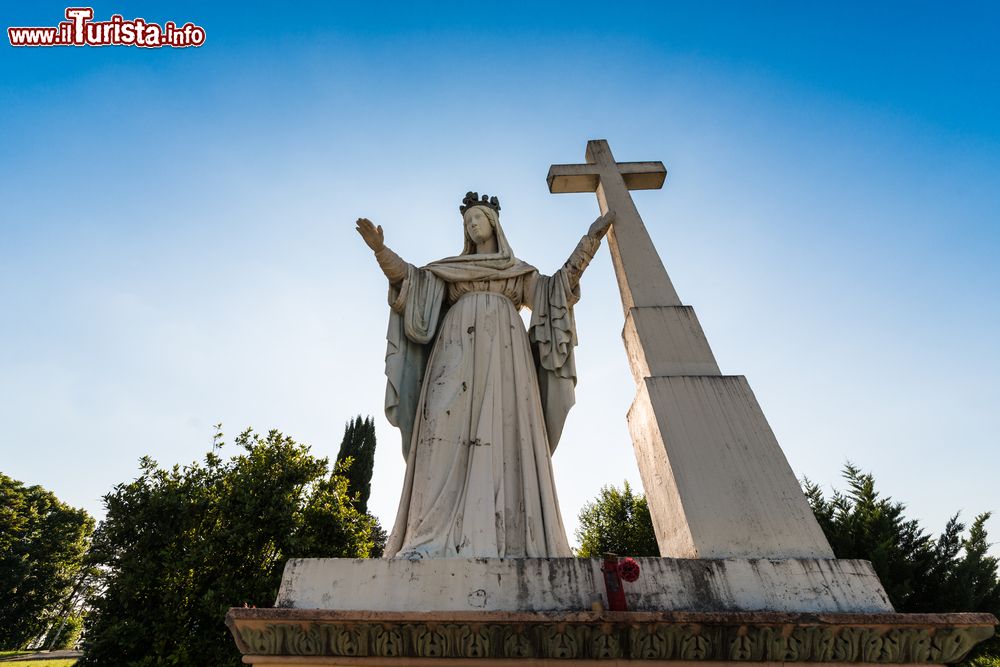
[[480, 403], [415, 308], [552, 332], [479, 479]]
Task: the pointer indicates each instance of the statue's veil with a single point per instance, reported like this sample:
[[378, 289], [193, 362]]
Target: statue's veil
[[472, 266], [503, 247]]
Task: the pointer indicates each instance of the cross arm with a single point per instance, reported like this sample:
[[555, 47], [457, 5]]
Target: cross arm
[[585, 177]]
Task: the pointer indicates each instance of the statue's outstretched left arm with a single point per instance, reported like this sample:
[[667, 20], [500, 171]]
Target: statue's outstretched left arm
[[585, 249]]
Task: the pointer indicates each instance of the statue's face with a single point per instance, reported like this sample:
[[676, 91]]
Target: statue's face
[[477, 225]]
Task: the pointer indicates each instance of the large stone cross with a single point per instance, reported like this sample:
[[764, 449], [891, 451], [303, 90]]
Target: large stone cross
[[645, 282], [650, 301], [717, 482]]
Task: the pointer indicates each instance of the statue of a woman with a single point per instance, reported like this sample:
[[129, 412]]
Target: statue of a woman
[[480, 402]]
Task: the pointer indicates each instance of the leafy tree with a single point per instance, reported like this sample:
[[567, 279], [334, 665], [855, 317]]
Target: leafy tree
[[919, 573], [617, 521], [380, 537], [180, 546], [64, 635], [42, 544], [357, 452]]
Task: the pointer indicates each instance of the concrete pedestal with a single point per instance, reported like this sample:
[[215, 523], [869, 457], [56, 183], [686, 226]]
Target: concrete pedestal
[[575, 584], [540, 612]]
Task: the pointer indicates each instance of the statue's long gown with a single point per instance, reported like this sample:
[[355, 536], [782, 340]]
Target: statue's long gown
[[479, 479]]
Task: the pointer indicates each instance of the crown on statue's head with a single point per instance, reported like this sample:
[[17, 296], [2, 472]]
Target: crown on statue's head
[[472, 199]]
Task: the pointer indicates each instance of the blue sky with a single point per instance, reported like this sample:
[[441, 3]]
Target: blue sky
[[177, 244]]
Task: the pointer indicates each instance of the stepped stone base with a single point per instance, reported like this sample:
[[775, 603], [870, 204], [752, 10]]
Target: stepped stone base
[[575, 584], [540, 612]]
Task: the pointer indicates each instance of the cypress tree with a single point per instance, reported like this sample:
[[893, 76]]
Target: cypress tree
[[359, 445]]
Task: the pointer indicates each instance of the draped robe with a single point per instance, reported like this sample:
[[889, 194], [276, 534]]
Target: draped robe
[[480, 402]]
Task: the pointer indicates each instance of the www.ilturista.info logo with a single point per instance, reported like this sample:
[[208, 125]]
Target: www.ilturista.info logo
[[80, 30]]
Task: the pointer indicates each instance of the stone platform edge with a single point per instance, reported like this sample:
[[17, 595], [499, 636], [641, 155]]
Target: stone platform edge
[[312, 636], [808, 585]]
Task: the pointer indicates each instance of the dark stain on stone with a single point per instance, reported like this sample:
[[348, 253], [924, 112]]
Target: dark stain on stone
[[523, 594]]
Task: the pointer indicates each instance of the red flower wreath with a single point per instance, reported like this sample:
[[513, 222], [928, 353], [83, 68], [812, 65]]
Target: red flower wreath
[[628, 569]]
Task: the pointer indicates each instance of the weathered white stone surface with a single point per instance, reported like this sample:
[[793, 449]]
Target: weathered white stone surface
[[717, 482], [666, 340], [573, 584]]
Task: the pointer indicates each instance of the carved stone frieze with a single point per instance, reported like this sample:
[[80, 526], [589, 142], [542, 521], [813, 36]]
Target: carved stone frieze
[[894, 638]]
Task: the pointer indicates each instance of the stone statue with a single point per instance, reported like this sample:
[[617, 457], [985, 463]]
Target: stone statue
[[480, 402]]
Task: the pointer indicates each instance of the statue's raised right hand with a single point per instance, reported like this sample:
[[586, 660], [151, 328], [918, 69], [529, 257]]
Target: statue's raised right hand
[[371, 234]]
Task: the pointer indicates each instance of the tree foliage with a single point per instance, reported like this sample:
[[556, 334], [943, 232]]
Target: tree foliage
[[42, 543], [180, 546], [617, 521], [952, 572], [357, 454]]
